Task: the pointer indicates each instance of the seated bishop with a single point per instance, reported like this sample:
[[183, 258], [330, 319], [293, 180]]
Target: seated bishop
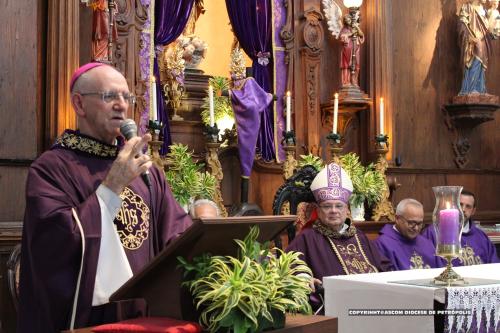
[[402, 242], [333, 245]]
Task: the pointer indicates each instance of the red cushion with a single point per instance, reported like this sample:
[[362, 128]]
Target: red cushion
[[150, 325]]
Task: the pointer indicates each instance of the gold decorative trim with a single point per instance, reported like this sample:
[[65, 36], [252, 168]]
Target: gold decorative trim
[[74, 141], [328, 232], [344, 267]]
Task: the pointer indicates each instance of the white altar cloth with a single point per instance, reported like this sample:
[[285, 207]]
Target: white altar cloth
[[374, 291]]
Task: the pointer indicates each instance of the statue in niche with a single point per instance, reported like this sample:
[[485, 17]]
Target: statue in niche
[[347, 29], [100, 29], [351, 37], [476, 29]]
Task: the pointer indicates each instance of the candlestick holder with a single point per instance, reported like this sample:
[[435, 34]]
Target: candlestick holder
[[211, 133], [384, 209], [336, 147], [215, 168], [448, 220], [155, 144], [290, 163]]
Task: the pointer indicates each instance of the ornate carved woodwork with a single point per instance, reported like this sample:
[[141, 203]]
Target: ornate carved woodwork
[[462, 118], [308, 81]]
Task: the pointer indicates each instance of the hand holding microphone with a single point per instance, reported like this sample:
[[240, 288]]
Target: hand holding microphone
[[130, 162]]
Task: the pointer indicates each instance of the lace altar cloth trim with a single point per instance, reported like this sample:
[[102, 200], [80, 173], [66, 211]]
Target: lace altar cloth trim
[[483, 301]]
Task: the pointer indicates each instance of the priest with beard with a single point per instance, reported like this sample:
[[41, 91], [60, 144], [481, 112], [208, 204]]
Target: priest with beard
[[91, 220], [402, 242], [333, 245]]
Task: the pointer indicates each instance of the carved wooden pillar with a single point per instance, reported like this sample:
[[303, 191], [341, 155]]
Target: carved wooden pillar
[[63, 48], [307, 81], [130, 18]]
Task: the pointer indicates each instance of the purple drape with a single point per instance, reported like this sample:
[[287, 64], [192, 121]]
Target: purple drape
[[252, 24], [171, 17]]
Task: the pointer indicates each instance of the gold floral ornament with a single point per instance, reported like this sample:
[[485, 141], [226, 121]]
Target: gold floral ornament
[[238, 69], [172, 66]]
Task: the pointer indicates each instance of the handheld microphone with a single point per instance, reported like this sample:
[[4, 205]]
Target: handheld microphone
[[128, 129]]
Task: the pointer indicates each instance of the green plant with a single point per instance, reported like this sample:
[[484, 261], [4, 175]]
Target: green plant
[[222, 104], [185, 177], [311, 159], [368, 183], [251, 292]]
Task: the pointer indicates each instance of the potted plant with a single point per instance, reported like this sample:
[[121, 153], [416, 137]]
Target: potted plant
[[249, 293], [368, 184], [185, 177]]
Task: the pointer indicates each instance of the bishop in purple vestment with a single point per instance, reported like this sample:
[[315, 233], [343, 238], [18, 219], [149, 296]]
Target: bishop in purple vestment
[[87, 210], [402, 243], [333, 246], [477, 248]]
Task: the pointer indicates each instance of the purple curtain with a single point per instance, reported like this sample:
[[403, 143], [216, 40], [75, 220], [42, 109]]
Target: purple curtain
[[171, 17], [252, 24]]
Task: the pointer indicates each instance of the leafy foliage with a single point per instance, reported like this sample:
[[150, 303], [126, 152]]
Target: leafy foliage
[[311, 159], [368, 183], [185, 177], [251, 292], [222, 104]]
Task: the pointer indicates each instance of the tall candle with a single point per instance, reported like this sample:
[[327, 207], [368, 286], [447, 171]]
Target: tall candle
[[448, 226], [211, 105], [288, 111], [153, 98], [335, 112], [381, 113]]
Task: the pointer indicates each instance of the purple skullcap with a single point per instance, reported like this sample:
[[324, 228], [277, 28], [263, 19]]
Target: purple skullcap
[[83, 69]]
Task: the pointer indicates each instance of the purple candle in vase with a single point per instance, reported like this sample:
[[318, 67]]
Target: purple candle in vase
[[448, 226]]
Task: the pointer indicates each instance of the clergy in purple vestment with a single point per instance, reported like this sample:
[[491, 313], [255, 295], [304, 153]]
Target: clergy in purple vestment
[[333, 246], [91, 222], [477, 248], [402, 243], [249, 100]]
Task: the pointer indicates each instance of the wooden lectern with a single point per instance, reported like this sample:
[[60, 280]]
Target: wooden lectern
[[160, 281]]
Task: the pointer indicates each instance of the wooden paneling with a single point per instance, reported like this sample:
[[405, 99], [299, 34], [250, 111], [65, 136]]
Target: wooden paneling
[[19, 69]]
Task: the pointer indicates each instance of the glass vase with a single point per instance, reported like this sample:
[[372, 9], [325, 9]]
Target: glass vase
[[448, 220]]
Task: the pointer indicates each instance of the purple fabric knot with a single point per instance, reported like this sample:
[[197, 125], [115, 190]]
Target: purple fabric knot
[[263, 58]]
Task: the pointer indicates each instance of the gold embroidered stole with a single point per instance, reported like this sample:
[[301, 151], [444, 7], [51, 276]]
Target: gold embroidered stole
[[351, 256]]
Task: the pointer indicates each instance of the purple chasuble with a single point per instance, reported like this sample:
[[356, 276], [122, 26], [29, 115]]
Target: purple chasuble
[[407, 253], [67, 177], [350, 253], [248, 104], [322, 258], [477, 248]]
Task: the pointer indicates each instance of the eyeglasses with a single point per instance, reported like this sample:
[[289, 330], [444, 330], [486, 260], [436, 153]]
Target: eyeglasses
[[112, 96], [412, 223], [327, 208]]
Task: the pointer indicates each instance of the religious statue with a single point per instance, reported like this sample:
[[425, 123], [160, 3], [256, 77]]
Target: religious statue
[[476, 30], [101, 50], [195, 48], [351, 37], [348, 31]]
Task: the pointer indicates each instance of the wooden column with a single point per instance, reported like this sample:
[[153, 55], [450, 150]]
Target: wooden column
[[307, 80], [63, 45]]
